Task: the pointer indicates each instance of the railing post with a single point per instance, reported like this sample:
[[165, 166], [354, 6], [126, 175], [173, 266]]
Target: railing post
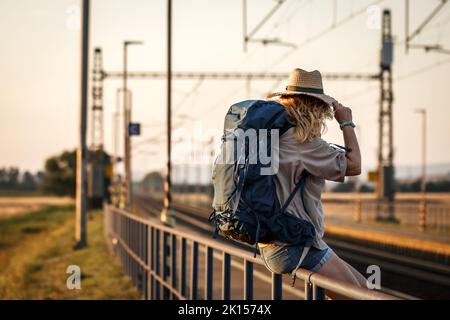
[[209, 272], [308, 291], [318, 293], [194, 271], [140, 275], [127, 236], [117, 235], [157, 263], [174, 263], [129, 231], [143, 245], [151, 247], [122, 239], [183, 267], [133, 249], [147, 263], [135, 264], [226, 266], [248, 280], [165, 264], [127, 242], [277, 282], [119, 238]]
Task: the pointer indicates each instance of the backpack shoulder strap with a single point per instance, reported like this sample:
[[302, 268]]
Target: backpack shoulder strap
[[300, 186]]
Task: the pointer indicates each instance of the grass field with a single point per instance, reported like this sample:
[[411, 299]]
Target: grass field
[[37, 248], [25, 203]]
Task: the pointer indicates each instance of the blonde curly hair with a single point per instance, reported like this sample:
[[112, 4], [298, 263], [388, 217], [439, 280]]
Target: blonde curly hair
[[308, 114]]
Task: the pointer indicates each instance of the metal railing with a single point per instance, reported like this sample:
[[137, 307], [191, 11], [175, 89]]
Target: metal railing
[[156, 259]]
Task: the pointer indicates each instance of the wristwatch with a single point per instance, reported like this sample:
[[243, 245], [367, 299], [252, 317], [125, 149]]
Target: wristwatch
[[347, 124]]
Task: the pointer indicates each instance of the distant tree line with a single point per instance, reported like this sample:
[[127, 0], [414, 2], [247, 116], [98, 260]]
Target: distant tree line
[[432, 186], [12, 179], [58, 177]]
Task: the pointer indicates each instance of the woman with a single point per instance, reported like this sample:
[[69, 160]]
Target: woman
[[302, 150]]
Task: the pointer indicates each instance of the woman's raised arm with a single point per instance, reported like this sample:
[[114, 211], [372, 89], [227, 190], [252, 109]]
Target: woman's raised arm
[[343, 115]]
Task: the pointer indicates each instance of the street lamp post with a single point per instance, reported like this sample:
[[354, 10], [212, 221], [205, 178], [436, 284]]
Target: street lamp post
[[423, 185], [127, 119], [116, 158]]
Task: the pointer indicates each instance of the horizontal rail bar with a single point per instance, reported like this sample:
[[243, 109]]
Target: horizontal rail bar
[[343, 288]]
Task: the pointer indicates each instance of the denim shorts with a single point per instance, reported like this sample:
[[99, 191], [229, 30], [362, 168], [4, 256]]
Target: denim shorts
[[284, 259]]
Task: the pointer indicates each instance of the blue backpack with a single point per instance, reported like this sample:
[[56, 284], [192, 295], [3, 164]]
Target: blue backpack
[[246, 206]]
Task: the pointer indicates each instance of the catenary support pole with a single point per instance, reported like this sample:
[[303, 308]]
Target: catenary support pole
[[81, 183], [167, 214]]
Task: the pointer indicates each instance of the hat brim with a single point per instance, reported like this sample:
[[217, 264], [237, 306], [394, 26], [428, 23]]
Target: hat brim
[[327, 99]]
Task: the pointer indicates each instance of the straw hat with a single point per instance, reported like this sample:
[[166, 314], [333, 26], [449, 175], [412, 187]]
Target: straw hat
[[302, 82]]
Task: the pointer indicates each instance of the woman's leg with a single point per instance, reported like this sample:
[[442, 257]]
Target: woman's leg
[[361, 279], [337, 269]]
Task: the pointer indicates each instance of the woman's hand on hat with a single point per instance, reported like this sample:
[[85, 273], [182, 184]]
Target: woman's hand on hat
[[341, 113]]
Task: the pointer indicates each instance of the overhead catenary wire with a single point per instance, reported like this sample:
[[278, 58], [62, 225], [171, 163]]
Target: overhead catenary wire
[[244, 61], [289, 11], [399, 78], [324, 32], [321, 34], [159, 137], [409, 37], [427, 20], [423, 70], [188, 95], [217, 103], [248, 37], [285, 20], [311, 39]]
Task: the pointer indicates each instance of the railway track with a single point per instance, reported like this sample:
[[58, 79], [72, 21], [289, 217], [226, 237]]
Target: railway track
[[402, 275]]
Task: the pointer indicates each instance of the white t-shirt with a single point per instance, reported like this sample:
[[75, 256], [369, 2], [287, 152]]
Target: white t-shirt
[[323, 162]]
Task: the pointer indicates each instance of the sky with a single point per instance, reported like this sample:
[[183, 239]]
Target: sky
[[40, 72]]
